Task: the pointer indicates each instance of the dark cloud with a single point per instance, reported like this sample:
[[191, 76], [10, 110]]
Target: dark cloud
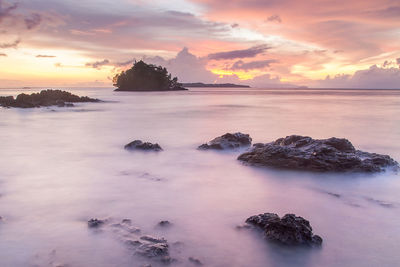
[[234, 25], [5, 10], [275, 18], [245, 53], [3, 55], [398, 60], [388, 12], [259, 64], [98, 64], [33, 21], [10, 45], [124, 64], [45, 56]]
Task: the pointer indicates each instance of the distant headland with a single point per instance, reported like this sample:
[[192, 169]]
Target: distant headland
[[214, 85], [146, 77]]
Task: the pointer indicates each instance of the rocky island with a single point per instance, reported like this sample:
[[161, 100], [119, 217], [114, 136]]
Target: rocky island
[[146, 77], [44, 99], [297, 152]]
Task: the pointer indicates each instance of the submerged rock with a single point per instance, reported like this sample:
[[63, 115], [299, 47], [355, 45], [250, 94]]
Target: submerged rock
[[304, 153], [164, 223], [289, 230], [228, 141], [195, 261], [140, 145], [94, 223], [44, 99]]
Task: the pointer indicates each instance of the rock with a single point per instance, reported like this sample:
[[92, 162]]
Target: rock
[[228, 141], [164, 223], [95, 223], [289, 230], [140, 145], [153, 239], [323, 155], [44, 99], [152, 250], [195, 261]]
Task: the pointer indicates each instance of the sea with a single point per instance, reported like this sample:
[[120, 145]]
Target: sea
[[61, 166]]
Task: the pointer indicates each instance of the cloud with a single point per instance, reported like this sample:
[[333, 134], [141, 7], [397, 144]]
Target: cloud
[[3, 55], [10, 45], [33, 21], [98, 64], [186, 66], [398, 61], [274, 18], [45, 56], [5, 11], [244, 53], [258, 64], [124, 64], [372, 78], [234, 25]]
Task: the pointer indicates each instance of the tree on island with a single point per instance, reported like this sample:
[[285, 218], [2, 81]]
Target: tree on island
[[146, 77]]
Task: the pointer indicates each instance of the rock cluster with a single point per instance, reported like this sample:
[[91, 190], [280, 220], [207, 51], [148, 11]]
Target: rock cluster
[[44, 99], [228, 141], [147, 246], [145, 146], [304, 153], [289, 230]]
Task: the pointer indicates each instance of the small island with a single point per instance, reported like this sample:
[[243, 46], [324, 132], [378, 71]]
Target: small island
[[146, 77]]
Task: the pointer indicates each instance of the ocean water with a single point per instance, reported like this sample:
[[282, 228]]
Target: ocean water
[[59, 167]]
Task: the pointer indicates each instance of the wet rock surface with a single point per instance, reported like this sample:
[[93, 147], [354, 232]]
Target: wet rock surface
[[288, 230], [147, 246], [44, 99], [228, 141], [322, 155], [144, 146]]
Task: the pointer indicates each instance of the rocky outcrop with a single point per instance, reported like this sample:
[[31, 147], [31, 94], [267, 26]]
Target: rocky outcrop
[[228, 141], [147, 246], [288, 230], [323, 155], [140, 145], [44, 99]]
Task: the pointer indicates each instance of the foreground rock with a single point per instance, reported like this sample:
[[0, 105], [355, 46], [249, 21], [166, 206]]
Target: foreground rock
[[288, 230], [228, 141], [44, 99], [304, 153], [140, 145], [147, 246]]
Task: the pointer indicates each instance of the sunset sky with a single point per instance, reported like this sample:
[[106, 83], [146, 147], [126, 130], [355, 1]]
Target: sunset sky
[[263, 43]]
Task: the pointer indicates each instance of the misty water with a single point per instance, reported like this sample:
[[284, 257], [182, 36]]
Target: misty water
[[59, 167]]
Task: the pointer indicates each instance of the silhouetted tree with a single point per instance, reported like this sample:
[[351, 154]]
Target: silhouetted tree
[[146, 77]]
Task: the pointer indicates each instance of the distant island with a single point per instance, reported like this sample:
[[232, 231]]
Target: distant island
[[45, 98], [214, 85], [146, 77]]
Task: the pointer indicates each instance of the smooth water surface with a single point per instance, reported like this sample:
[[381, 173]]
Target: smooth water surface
[[60, 167]]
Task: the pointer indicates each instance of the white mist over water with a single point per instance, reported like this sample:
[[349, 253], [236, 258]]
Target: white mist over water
[[60, 167]]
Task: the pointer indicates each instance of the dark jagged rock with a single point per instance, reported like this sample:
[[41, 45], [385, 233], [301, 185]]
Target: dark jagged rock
[[164, 223], [140, 145], [304, 153], [44, 99], [289, 230], [228, 141], [95, 223]]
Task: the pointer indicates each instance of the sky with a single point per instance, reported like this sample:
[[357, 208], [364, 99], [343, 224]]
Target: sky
[[261, 43]]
